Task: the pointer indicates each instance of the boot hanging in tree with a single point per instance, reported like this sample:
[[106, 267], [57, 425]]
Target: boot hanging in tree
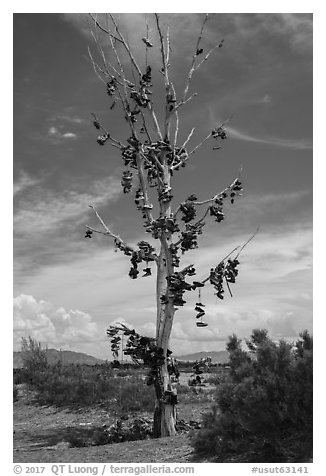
[[199, 309]]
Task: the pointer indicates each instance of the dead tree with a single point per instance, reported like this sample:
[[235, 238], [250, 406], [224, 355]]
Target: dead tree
[[151, 155]]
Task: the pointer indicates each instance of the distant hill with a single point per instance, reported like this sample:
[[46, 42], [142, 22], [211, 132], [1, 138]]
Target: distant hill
[[67, 357], [221, 356], [70, 357]]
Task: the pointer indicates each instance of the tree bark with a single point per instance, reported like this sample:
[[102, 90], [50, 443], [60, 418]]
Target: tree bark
[[165, 406], [165, 416], [165, 413]]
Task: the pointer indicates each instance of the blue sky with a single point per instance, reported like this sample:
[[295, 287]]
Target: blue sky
[[67, 290]]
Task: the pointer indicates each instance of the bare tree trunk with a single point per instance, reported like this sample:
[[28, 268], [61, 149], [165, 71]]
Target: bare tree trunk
[[165, 413], [165, 405]]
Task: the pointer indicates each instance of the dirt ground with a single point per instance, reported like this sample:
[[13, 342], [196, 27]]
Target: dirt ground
[[41, 434]]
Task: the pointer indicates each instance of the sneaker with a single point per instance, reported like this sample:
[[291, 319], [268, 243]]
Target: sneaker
[[200, 314], [197, 284], [199, 309], [148, 272]]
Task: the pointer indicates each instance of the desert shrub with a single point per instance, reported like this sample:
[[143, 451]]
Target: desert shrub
[[137, 429], [123, 373], [34, 359], [135, 395], [184, 389], [193, 394], [213, 379], [81, 385], [74, 385], [263, 410]]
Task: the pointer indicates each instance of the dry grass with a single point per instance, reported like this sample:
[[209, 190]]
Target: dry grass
[[41, 434]]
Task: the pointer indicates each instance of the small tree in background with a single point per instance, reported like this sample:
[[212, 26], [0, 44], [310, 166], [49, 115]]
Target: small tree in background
[[152, 154], [34, 357], [264, 407]]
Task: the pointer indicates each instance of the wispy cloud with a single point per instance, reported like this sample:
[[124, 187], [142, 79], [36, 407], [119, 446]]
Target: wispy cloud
[[294, 28], [45, 210], [24, 182], [72, 119], [296, 144], [266, 99]]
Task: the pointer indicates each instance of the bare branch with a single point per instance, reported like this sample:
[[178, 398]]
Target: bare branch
[[181, 103], [168, 47], [221, 261], [176, 128], [107, 63], [157, 127], [217, 195], [218, 45], [99, 47], [147, 46], [114, 141], [103, 29], [125, 44], [229, 254], [190, 153], [108, 232], [200, 144], [122, 73], [203, 217], [145, 126], [96, 67], [163, 52], [102, 222], [192, 67], [188, 138], [99, 231], [176, 118], [253, 236]]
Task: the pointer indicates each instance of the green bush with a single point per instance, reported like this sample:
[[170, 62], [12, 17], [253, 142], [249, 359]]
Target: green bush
[[263, 410]]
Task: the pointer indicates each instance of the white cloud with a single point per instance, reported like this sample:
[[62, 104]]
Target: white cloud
[[50, 325], [274, 281], [69, 135], [57, 137], [296, 144]]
